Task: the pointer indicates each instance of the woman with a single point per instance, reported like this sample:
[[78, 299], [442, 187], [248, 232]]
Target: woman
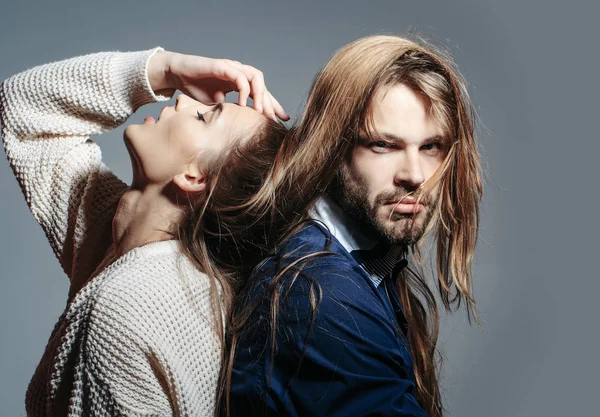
[[142, 331]]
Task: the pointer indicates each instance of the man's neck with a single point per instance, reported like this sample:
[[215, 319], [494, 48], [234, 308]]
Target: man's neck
[[143, 215], [373, 253], [351, 233]]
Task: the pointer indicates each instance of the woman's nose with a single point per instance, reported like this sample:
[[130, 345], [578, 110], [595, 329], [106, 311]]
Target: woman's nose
[[184, 101]]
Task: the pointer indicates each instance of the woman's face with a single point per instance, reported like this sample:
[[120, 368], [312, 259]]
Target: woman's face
[[175, 143]]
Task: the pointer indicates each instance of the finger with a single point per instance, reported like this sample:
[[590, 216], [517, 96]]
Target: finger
[[268, 106], [243, 87], [279, 110], [257, 87], [229, 72], [257, 83], [234, 63], [218, 97]]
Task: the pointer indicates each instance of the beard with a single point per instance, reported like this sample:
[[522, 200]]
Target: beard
[[351, 193]]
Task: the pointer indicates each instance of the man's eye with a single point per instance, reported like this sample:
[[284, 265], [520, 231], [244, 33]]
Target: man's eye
[[200, 116], [433, 147], [378, 144]]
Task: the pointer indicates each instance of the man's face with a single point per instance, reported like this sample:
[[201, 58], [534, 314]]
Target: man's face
[[381, 181]]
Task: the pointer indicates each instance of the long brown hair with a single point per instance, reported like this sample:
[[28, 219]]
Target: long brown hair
[[206, 230], [338, 109], [241, 226]]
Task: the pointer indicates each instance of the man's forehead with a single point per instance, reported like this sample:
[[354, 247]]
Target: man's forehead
[[398, 97], [398, 110]]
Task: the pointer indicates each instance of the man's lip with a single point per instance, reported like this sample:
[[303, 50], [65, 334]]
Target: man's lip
[[409, 199], [407, 208]]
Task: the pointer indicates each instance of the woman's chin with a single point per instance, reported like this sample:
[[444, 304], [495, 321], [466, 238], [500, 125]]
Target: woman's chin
[[138, 180], [132, 132], [136, 137], [133, 156]]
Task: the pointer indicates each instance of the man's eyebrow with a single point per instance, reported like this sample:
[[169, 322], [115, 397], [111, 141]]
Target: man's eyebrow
[[399, 139]]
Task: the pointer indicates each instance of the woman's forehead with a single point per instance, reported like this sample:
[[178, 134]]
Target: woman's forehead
[[241, 117]]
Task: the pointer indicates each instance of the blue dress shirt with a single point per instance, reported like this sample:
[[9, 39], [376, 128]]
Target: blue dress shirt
[[349, 358]]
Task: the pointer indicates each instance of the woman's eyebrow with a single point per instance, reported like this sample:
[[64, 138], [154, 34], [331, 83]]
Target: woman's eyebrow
[[218, 110]]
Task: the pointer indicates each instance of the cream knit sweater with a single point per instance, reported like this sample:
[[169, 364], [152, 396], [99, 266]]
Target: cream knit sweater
[[137, 337]]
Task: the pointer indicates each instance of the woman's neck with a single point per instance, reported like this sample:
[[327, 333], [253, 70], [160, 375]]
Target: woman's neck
[[143, 216]]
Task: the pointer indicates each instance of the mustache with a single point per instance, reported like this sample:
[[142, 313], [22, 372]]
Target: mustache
[[396, 197]]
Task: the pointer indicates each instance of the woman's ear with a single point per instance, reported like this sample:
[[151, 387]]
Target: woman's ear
[[191, 182]]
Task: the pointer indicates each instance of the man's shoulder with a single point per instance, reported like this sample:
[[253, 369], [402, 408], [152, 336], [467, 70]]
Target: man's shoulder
[[313, 251], [313, 237], [312, 265], [316, 244]]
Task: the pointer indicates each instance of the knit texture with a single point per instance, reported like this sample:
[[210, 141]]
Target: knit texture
[[136, 337]]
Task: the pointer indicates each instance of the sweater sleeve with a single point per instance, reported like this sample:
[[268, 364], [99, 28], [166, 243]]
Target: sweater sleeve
[[47, 114]]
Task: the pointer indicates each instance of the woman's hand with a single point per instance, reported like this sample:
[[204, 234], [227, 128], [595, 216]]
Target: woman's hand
[[208, 80]]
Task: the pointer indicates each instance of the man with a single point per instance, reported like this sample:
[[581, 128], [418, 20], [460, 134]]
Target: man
[[339, 321]]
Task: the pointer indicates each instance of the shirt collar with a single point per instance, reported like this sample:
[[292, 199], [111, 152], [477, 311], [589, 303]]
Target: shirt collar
[[345, 229], [358, 241]]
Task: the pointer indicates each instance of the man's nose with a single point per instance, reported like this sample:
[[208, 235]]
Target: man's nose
[[410, 171]]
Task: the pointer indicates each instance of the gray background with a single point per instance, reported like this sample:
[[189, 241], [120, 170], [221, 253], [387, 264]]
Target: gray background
[[532, 69]]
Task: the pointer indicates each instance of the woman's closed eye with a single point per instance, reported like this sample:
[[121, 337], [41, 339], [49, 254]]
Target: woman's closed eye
[[201, 116]]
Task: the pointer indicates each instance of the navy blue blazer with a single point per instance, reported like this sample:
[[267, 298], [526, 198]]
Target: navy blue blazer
[[353, 361]]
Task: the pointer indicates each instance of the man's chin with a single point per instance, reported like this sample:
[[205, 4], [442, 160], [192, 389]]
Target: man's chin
[[399, 229]]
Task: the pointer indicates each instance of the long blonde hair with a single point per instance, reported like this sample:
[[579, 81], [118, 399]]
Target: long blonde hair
[[242, 228], [338, 109]]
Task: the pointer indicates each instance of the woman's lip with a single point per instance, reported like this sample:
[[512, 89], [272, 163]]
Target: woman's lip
[[407, 208], [149, 119]]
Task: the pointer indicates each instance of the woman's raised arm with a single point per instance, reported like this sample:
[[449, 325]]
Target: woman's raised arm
[[48, 113]]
